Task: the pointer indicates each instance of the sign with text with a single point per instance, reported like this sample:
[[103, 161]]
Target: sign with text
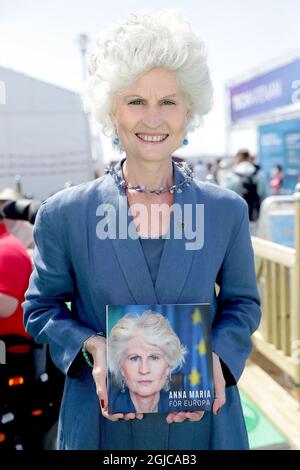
[[266, 92]]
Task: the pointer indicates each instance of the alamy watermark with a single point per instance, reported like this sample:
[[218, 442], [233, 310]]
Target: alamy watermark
[[2, 92], [188, 222], [2, 352], [296, 94]]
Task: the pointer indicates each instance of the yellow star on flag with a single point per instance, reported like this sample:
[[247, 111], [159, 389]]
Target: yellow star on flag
[[194, 377], [201, 348], [196, 316]]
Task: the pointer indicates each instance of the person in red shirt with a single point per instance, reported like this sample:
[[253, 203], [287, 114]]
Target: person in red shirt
[[15, 270]]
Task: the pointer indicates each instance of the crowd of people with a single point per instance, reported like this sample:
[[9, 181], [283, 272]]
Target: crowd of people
[[243, 175]]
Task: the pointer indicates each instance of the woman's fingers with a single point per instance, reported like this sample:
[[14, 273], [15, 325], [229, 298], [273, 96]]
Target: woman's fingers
[[129, 416], [101, 389], [219, 382], [170, 417], [96, 346], [114, 417], [175, 417], [194, 415], [119, 416], [180, 416]]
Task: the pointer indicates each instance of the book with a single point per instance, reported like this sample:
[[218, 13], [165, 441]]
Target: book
[[159, 358]]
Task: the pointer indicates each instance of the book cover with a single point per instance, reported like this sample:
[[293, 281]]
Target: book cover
[[159, 358]]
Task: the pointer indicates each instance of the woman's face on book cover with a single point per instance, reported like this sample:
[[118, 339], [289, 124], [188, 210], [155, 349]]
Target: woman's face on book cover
[[145, 368]]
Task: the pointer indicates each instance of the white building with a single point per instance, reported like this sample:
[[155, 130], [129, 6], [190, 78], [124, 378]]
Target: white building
[[44, 136]]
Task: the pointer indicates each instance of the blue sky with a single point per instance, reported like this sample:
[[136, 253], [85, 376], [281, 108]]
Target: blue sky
[[39, 39]]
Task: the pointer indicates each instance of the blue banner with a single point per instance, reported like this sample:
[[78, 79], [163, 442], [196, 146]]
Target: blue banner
[[266, 92]]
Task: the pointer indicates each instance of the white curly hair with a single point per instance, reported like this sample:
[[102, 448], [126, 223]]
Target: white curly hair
[[135, 45], [154, 329]]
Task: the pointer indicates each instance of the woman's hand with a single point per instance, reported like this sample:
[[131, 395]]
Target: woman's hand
[[180, 416], [219, 382], [96, 346], [219, 401]]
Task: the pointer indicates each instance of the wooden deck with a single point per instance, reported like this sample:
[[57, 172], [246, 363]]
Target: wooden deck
[[274, 401]]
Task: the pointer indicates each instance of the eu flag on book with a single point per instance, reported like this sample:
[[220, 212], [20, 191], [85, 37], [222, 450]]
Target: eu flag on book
[[159, 358]]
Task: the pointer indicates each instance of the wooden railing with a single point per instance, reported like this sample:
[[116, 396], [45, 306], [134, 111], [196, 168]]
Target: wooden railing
[[278, 275]]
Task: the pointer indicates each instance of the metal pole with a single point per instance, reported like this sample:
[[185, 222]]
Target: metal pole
[[83, 41]]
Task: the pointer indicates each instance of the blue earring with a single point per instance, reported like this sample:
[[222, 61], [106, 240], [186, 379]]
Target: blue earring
[[185, 141], [116, 141]]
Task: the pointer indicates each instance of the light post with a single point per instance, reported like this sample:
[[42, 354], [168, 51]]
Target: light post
[[94, 142], [83, 41]]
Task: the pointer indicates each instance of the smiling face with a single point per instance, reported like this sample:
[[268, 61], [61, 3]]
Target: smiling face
[[145, 368], [150, 117]]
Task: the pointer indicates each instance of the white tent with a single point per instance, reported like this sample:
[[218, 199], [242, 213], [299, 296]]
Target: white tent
[[44, 136]]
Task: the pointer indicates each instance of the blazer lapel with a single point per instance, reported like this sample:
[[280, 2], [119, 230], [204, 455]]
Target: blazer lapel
[[128, 250], [176, 259]]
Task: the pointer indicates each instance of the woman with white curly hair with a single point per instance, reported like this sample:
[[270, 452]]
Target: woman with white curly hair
[[145, 233], [143, 351]]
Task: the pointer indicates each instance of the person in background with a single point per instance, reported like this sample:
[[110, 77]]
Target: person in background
[[15, 270], [21, 229], [248, 182], [253, 160], [200, 170], [212, 173], [276, 181]]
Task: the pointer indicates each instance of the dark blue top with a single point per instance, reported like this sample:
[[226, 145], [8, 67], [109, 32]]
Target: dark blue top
[[153, 248]]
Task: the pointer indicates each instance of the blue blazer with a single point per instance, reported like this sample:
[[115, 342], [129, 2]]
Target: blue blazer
[[73, 264]]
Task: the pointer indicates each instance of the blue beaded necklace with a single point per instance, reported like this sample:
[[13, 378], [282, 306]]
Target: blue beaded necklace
[[175, 188]]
